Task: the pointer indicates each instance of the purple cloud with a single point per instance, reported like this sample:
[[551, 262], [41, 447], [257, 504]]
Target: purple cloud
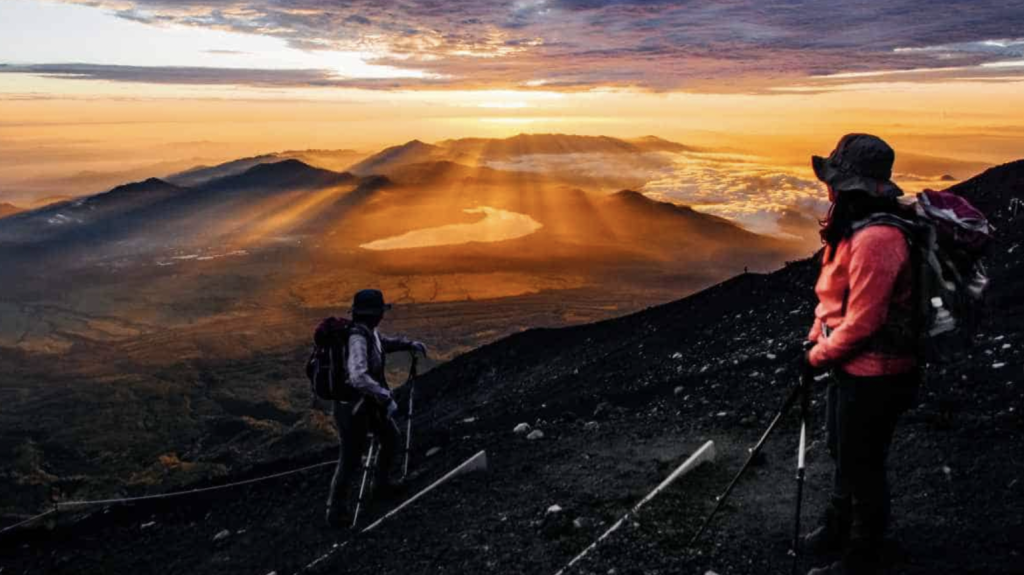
[[656, 44]]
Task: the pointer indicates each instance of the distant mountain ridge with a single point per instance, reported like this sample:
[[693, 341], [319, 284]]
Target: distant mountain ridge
[[155, 206], [333, 160], [291, 173], [479, 151], [7, 209]]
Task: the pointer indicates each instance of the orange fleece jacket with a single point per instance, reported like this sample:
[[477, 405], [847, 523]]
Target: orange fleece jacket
[[873, 267]]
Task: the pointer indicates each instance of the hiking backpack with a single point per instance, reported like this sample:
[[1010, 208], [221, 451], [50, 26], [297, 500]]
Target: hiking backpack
[[327, 368], [947, 238]]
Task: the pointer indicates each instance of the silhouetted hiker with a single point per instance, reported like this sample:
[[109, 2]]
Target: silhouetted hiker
[[367, 350], [865, 333]]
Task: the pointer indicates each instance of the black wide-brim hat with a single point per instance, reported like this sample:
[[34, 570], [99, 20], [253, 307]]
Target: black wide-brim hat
[[369, 302], [860, 162]]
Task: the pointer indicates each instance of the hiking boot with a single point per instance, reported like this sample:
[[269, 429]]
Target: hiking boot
[[821, 541], [338, 517], [856, 561], [833, 569], [835, 529]]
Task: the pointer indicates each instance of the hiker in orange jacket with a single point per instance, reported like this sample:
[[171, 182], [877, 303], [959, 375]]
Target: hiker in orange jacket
[[864, 333]]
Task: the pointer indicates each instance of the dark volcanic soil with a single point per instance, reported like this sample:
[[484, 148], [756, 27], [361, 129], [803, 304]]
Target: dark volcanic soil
[[657, 384]]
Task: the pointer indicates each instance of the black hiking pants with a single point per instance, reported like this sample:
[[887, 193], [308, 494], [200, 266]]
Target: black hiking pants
[[352, 431], [862, 415]]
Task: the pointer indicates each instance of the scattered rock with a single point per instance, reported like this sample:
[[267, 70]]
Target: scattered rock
[[222, 535], [147, 525], [677, 355], [469, 420], [555, 523], [591, 425], [535, 434], [748, 421], [583, 523], [998, 365], [433, 451], [521, 428], [678, 390]]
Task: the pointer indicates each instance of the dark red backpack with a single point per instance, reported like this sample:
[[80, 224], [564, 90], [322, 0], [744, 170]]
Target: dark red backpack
[[948, 238], [327, 368]]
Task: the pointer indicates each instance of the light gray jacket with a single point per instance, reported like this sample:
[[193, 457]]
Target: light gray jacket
[[367, 350]]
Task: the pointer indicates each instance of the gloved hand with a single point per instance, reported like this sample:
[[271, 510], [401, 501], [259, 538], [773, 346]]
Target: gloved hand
[[807, 371], [420, 347], [383, 396], [392, 409]]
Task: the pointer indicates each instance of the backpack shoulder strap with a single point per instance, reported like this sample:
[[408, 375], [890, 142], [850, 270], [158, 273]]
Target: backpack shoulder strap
[[359, 329], [910, 228]]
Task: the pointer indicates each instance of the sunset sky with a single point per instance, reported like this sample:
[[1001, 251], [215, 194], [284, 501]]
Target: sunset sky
[[109, 85]]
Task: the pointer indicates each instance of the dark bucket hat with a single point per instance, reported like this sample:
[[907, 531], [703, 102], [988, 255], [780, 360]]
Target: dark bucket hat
[[860, 162], [369, 302]]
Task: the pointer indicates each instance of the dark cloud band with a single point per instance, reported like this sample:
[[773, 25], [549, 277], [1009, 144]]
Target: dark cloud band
[[655, 44]]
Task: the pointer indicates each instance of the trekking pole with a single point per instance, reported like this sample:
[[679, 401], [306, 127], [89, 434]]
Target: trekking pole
[[800, 457], [362, 484], [408, 422], [720, 500]]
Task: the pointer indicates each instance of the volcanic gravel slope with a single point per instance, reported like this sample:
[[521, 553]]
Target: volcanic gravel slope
[[658, 384]]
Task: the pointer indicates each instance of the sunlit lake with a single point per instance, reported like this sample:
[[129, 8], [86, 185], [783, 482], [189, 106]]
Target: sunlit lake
[[497, 225]]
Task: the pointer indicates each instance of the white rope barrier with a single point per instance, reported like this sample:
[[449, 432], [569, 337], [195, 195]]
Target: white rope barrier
[[83, 503], [27, 521], [192, 491], [476, 463], [705, 453]]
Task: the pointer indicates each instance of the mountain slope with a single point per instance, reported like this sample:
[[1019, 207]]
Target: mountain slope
[[412, 152], [72, 217], [9, 209], [136, 219], [657, 384], [284, 174], [334, 160], [665, 220], [202, 174]]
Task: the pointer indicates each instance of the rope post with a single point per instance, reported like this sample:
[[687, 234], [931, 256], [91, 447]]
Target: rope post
[[408, 421], [370, 452]]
